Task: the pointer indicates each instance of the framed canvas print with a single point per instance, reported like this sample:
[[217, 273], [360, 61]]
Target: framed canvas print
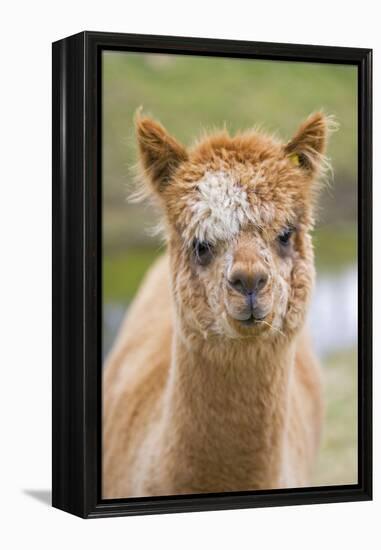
[[211, 274]]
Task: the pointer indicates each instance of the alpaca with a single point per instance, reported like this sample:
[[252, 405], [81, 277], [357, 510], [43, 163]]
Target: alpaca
[[212, 384]]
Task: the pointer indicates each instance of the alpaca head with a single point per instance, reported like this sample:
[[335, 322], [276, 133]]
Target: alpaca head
[[237, 213]]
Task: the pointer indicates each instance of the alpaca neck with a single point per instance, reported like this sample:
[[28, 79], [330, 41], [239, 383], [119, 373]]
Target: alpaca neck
[[226, 411]]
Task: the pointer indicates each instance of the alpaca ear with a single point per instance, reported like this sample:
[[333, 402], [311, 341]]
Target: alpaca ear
[[160, 153], [306, 149]]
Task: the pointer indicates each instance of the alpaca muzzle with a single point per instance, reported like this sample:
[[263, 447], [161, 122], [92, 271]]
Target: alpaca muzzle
[[246, 306], [246, 288]]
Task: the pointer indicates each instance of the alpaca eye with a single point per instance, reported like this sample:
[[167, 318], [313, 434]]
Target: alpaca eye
[[285, 236], [203, 252]]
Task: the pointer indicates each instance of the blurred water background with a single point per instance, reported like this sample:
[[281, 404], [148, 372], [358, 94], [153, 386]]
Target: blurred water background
[[190, 94]]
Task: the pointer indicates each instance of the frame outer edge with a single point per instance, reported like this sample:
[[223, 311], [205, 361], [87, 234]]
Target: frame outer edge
[[68, 421], [76, 286], [365, 273]]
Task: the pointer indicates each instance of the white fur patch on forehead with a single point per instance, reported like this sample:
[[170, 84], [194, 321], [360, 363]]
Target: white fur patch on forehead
[[220, 209]]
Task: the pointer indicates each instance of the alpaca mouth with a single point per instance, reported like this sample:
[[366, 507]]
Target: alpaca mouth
[[251, 321], [249, 317]]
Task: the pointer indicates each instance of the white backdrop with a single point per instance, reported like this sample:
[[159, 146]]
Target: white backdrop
[[27, 30]]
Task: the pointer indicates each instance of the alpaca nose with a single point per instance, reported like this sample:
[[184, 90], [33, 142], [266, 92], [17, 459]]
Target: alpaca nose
[[248, 283]]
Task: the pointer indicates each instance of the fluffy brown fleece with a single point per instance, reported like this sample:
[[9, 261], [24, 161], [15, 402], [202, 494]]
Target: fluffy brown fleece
[[212, 384]]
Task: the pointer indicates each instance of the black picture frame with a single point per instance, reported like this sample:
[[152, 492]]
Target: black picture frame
[[77, 306]]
